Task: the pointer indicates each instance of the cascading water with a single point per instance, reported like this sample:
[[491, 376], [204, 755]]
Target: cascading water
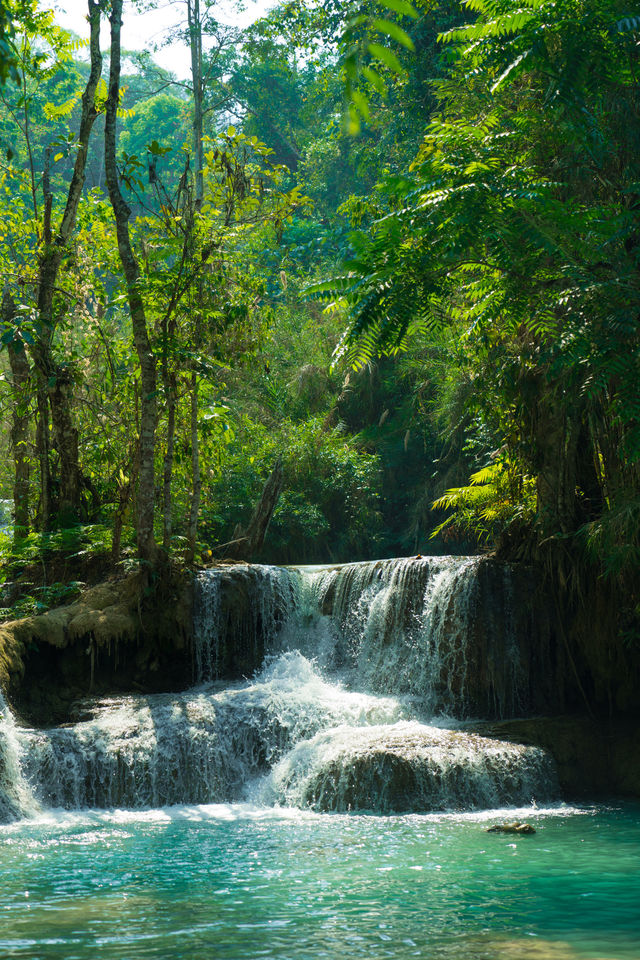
[[16, 797], [408, 766], [400, 626], [197, 747], [239, 612], [357, 659]]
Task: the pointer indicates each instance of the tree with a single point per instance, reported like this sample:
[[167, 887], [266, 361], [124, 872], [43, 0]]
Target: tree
[[516, 228], [148, 379], [8, 62], [43, 48], [21, 390]]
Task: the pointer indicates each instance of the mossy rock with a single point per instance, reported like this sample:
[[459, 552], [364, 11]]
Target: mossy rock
[[92, 646]]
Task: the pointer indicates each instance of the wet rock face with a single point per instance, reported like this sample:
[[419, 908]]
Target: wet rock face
[[516, 665], [410, 767], [592, 759], [239, 611]]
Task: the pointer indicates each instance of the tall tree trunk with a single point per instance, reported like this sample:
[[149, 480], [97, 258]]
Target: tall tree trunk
[[125, 487], [42, 452], [58, 382], [195, 468], [66, 440], [170, 387], [20, 389], [195, 38], [147, 548]]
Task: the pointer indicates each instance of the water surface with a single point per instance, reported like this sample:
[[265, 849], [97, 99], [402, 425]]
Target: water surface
[[236, 882]]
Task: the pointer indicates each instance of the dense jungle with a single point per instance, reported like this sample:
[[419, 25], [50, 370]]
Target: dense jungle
[[396, 253], [382, 260]]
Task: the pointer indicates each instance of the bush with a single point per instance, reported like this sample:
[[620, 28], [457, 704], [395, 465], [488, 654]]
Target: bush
[[329, 506]]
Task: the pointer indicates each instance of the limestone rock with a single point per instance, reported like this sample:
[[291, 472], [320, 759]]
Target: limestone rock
[[409, 766], [514, 827]]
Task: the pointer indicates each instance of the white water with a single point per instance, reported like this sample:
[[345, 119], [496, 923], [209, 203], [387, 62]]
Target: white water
[[361, 657], [403, 627], [16, 797], [402, 624], [407, 766]]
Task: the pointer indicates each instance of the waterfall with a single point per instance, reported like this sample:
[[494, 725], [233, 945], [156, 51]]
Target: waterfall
[[403, 625], [394, 626], [239, 611], [201, 746], [358, 673], [16, 797], [417, 627]]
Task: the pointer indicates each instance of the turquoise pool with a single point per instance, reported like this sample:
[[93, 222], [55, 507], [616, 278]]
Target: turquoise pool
[[235, 882]]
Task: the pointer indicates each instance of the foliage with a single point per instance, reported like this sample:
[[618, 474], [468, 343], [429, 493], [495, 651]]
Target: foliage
[[473, 225], [68, 543], [496, 498], [41, 599], [330, 504], [515, 233], [7, 33], [614, 538]]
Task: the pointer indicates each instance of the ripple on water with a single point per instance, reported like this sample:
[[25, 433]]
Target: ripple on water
[[236, 882]]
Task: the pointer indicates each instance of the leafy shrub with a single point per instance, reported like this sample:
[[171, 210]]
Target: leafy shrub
[[329, 506], [41, 599], [497, 497]]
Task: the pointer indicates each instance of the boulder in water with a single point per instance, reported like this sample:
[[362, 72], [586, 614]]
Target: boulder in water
[[515, 827]]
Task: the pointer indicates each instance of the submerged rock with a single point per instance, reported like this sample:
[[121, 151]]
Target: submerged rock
[[515, 827]]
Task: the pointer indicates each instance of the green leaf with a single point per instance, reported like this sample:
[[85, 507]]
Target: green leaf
[[402, 7], [390, 29], [156, 150], [386, 56], [375, 80], [361, 103]]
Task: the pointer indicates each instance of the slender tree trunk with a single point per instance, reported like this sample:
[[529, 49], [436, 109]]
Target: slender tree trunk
[[247, 543], [195, 38], [170, 385], [66, 440], [147, 548], [259, 523], [167, 473], [125, 489], [20, 388], [58, 382], [195, 467], [42, 451]]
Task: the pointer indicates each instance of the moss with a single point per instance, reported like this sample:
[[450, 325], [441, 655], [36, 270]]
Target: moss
[[11, 658], [128, 633]]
